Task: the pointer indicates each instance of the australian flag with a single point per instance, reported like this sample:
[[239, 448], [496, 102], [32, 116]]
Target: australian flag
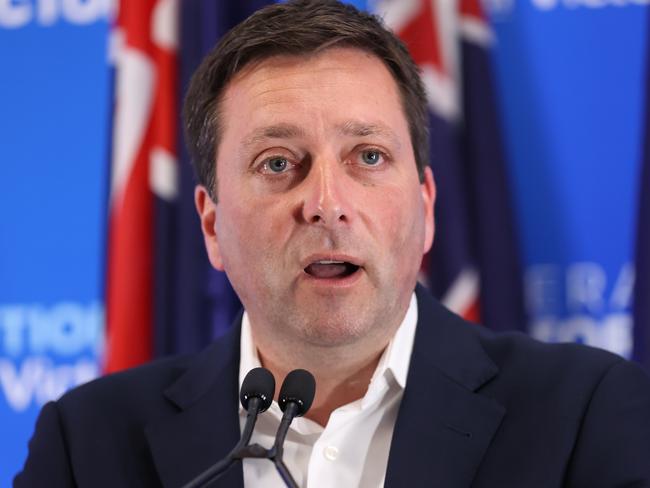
[[474, 266], [194, 303], [143, 172]]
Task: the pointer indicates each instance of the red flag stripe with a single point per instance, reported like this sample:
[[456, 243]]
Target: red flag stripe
[[471, 8], [145, 70], [422, 38]]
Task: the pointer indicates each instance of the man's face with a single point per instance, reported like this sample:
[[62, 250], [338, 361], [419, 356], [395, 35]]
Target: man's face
[[321, 221]]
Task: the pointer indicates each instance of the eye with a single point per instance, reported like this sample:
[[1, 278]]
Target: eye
[[276, 164], [372, 157]]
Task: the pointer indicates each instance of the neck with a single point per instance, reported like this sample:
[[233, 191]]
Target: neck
[[342, 369], [337, 382]]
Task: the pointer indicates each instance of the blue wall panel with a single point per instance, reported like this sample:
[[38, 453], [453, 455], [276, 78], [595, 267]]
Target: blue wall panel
[[572, 79], [54, 129]]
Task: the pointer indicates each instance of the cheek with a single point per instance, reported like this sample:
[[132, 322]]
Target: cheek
[[250, 234], [234, 229], [402, 223]]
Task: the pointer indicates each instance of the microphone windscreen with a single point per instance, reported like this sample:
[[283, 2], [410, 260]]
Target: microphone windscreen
[[258, 383], [300, 387]]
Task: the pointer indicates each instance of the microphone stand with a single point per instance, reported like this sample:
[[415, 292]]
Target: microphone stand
[[254, 406], [276, 452], [242, 450], [296, 396]]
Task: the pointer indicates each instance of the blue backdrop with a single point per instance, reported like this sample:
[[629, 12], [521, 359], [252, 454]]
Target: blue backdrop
[[54, 128], [572, 84]]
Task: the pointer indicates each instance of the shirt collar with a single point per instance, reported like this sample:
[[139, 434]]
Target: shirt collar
[[394, 360]]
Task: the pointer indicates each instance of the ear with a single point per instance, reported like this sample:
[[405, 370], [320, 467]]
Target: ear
[[207, 210], [428, 189]]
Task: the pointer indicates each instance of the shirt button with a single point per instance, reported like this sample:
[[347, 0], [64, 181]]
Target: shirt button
[[331, 453]]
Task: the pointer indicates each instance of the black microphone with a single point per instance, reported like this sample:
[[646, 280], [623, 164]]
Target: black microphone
[[297, 392], [256, 396], [295, 399]]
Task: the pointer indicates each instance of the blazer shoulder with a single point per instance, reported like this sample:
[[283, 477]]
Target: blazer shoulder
[[517, 348], [568, 373], [139, 387], [95, 421]]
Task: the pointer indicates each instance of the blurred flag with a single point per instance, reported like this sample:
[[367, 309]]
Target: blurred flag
[[193, 302], [492, 227], [642, 284], [473, 266], [143, 164]]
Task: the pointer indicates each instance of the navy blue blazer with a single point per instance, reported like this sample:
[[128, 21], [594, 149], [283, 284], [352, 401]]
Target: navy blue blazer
[[479, 409]]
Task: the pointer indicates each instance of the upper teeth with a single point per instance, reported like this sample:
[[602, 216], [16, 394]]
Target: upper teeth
[[329, 261]]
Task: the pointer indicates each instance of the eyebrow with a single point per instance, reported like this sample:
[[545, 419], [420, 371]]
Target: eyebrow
[[277, 131], [363, 129], [350, 128]]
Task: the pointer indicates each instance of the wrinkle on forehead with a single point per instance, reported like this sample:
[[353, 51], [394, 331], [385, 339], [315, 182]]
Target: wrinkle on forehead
[[276, 131]]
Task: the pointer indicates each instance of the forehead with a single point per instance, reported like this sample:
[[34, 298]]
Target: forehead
[[340, 81]]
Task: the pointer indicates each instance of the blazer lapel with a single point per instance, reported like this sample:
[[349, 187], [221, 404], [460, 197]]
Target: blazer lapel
[[443, 427], [205, 426]]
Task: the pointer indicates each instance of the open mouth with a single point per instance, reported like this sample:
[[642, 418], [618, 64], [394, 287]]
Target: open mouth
[[326, 269]]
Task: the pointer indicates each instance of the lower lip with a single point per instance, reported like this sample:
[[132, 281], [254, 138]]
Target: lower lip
[[333, 283]]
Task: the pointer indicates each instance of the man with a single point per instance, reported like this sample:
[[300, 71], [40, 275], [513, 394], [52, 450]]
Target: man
[[307, 126]]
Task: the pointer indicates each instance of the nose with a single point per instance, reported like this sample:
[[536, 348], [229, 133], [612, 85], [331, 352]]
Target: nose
[[327, 194]]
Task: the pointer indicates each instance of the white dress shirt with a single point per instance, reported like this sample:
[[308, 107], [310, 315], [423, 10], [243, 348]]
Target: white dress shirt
[[352, 449]]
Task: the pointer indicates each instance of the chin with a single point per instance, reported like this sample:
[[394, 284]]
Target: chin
[[334, 330]]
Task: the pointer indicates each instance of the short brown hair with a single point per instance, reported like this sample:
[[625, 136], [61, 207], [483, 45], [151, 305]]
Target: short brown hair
[[296, 28]]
